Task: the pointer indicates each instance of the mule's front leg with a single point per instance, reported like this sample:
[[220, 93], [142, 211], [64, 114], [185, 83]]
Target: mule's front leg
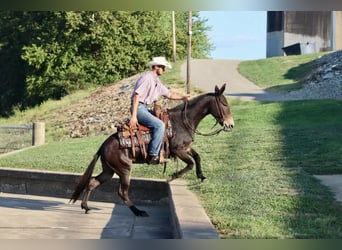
[[184, 156], [197, 159]]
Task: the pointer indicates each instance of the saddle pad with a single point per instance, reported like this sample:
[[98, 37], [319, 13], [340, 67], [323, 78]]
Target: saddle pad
[[125, 140]]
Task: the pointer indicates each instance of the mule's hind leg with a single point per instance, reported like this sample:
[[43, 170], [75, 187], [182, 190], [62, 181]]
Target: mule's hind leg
[[94, 182], [123, 193]]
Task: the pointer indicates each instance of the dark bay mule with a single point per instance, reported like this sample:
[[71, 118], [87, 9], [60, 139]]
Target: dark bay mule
[[184, 119]]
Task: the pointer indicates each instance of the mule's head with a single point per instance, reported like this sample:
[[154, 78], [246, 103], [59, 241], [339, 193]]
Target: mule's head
[[221, 110]]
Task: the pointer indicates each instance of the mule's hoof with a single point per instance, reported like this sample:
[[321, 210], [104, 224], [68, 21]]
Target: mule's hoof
[[203, 178], [142, 214], [138, 212], [171, 178], [86, 208]]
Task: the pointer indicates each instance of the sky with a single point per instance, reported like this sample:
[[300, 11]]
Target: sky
[[237, 34]]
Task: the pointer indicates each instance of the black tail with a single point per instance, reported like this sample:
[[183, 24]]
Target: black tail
[[84, 179]]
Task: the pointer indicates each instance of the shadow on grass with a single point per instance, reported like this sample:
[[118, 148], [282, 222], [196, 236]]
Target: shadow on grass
[[311, 133], [285, 87], [301, 71], [296, 74]]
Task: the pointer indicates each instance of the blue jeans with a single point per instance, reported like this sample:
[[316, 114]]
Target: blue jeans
[[157, 127]]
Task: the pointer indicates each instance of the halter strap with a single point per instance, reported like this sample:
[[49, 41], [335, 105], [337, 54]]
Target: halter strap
[[196, 131]]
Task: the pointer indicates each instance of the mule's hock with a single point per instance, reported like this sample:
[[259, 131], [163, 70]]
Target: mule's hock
[[187, 217]]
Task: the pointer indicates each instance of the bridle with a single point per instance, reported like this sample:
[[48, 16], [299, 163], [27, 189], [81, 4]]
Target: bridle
[[196, 131]]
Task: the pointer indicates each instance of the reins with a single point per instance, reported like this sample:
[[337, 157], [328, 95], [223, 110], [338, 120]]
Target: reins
[[196, 131]]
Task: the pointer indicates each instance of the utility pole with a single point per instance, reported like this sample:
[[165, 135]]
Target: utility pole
[[173, 36], [333, 31], [188, 52]]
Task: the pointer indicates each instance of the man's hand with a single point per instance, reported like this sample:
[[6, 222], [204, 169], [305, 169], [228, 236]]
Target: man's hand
[[133, 122], [185, 98]]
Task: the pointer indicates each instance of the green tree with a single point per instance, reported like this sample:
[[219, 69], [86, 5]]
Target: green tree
[[50, 54]]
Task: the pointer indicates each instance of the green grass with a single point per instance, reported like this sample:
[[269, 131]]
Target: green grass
[[279, 74], [261, 182], [67, 156], [260, 176]]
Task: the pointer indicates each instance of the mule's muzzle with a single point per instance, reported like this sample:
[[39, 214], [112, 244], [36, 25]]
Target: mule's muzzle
[[228, 124], [227, 127]]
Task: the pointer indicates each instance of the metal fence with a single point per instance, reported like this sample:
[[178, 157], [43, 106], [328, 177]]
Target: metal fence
[[15, 137]]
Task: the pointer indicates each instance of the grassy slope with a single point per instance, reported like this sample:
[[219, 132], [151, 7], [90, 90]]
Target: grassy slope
[[260, 182], [44, 113], [279, 74]]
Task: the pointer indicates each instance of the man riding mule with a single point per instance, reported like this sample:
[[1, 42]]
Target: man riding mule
[[184, 119], [131, 137], [148, 89]]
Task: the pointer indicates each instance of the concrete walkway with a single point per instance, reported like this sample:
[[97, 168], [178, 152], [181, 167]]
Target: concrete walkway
[[35, 205], [206, 73], [334, 182], [42, 217]]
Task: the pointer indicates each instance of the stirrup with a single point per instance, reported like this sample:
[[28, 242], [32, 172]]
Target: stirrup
[[162, 159]]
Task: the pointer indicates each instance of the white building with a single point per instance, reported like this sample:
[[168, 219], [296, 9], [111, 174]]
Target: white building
[[301, 32]]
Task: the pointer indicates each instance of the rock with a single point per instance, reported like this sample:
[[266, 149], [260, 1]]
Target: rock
[[325, 82]]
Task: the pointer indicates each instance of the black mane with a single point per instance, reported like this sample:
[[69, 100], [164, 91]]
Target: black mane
[[191, 102]]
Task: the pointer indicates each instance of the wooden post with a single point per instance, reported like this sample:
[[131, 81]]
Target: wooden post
[[38, 134], [173, 36], [333, 31]]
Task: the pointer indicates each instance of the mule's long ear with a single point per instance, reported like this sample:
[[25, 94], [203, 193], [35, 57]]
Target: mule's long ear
[[220, 91], [223, 88]]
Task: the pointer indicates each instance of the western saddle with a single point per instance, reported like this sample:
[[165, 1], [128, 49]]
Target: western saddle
[[131, 138]]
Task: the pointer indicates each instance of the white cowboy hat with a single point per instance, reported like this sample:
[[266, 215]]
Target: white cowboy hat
[[160, 60]]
